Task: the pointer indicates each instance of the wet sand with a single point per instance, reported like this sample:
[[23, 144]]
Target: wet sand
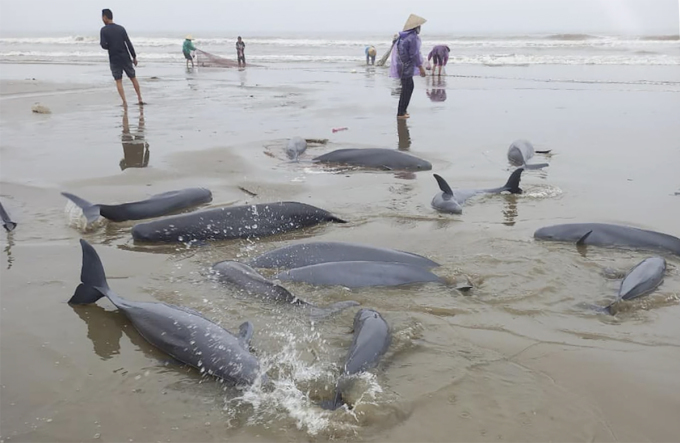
[[518, 360]]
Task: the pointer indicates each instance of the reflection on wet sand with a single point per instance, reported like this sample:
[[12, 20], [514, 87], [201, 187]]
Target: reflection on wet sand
[[8, 249], [135, 146], [438, 91], [403, 135], [105, 329], [510, 210]]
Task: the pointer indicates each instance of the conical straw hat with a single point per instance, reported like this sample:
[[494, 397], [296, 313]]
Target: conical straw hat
[[189, 37], [413, 22]]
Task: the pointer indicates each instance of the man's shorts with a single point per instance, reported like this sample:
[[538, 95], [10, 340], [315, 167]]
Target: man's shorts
[[437, 60], [118, 67], [187, 55], [241, 58]]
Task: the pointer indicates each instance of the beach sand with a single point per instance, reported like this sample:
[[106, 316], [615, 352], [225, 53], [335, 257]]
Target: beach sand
[[518, 360]]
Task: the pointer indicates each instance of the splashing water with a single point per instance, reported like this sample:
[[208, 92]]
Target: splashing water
[[295, 386], [77, 220]]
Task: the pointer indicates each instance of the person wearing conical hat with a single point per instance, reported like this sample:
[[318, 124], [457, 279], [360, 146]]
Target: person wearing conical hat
[[370, 54], [407, 61], [187, 49]]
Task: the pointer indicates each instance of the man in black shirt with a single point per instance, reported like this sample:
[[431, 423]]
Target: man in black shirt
[[114, 39]]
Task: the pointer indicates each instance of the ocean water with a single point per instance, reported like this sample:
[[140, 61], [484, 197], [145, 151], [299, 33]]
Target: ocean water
[[513, 50]]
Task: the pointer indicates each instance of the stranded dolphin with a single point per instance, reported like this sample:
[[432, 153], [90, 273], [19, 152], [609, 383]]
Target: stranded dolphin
[[305, 254], [519, 153], [245, 277], [359, 274], [7, 222], [372, 338], [154, 206], [451, 201], [295, 147], [179, 332], [232, 222], [643, 279], [602, 234], [376, 158]]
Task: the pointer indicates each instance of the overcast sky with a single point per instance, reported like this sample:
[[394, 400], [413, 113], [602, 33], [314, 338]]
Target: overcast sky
[[145, 17]]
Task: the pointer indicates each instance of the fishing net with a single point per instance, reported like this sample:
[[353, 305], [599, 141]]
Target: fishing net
[[384, 58], [214, 61]]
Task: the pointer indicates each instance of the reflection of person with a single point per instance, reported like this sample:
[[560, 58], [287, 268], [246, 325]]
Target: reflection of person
[[404, 136], [187, 49], [240, 51], [122, 56], [135, 147], [438, 92], [440, 54], [406, 61], [370, 54]]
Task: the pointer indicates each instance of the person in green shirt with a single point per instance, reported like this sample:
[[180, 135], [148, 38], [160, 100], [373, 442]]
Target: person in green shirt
[[187, 49]]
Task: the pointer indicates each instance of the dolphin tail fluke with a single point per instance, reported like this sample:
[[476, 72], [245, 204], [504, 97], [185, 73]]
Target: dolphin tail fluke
[[536, 166], [445, 188], [90, 211], [93, 284], [512, 184], [245, 333], [317, 313], [7, 223]]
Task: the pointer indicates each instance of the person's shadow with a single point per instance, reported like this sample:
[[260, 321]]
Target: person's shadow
[[135, 146], [438, 91]]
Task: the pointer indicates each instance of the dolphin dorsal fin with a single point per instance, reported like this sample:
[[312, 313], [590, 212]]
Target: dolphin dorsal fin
[[245, 333], [445, 188], [582, 241]]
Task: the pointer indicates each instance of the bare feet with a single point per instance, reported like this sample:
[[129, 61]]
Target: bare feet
[[403, 117]]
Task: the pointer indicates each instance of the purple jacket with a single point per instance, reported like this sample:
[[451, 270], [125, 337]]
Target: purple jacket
[[440, 50], [406, 58]]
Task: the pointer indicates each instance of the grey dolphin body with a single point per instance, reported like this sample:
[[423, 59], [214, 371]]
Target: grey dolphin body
[[372, 338], [233, 222], [246, 278], [305, 254], [295, 147], [451, 201], [519, 153], [643, 279], [359, 274], [7, 222], [179, 332], [154, 206], [376, 158], [603, 234]]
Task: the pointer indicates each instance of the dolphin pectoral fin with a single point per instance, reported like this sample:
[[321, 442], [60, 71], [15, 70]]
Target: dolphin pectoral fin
[[582, 241], [317, 313], [90, 211], [464, 288], [334, 404], [443, 186], [245, 333], [543, 152], [536, 166], [386, 168]]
